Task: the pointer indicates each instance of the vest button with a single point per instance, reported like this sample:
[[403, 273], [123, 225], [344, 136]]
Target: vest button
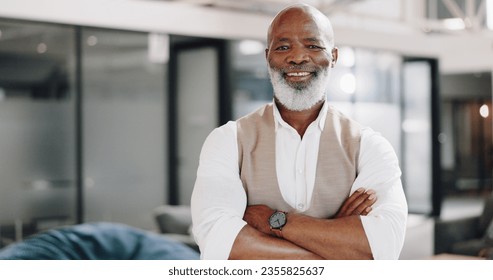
[[301, 206]]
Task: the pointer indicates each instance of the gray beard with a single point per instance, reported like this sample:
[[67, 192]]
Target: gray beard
[[299, 98]]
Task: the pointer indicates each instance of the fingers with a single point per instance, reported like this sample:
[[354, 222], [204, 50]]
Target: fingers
[[358, 198], [359, 203], [349, 201], [362, 205], [355, 195]]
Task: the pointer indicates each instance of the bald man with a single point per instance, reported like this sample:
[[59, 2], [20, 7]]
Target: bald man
[[297, 179]]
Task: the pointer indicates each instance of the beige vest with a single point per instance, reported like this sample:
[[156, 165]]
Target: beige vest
[[336, 166]]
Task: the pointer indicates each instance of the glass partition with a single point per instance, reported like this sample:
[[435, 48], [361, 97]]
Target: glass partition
[[124, 120], [417, 130], [37, 119], [365, 85], [251, 82], [123, 139]]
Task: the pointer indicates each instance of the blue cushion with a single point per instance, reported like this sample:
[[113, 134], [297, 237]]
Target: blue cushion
[[98, 241]]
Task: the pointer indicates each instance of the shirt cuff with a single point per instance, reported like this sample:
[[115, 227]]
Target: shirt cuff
[[383, 242], [221, 239]]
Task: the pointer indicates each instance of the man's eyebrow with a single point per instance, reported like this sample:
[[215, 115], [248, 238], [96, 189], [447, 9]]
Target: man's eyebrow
[[312, 39], [309, 39], [282, 40]]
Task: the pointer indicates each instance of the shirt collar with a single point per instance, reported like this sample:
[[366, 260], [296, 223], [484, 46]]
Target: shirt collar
[[320, 121]]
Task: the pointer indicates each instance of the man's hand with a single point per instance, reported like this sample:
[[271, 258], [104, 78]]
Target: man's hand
[[257, 216], [359, 203]]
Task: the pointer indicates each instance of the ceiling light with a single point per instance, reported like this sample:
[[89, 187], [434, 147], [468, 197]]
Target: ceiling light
[[442, 138], [346, 57], [415, 126], [40, 185], [42, 48], [251, 47], [92, 40], [484, 111], [454, 24], [348, 83], [158, 48]]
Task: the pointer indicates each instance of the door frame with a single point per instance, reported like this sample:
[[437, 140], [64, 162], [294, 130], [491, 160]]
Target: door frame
[[177, 45], [436, 172]]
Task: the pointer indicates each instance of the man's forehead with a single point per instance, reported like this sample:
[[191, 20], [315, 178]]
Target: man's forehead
[[288, 36], [297, 16], [300, 19], [310, 32]]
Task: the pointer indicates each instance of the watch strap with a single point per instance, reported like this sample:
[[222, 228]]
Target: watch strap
[[277, 232]]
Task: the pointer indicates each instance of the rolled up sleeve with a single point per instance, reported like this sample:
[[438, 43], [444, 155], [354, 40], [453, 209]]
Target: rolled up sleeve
[[378, 169], [218, 199]]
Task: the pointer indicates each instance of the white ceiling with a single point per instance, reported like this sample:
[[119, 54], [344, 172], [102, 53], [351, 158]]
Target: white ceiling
[[454, 31], [397, 25], [425, 15]]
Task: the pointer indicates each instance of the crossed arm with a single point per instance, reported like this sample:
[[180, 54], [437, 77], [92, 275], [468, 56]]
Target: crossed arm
[[304, 237]]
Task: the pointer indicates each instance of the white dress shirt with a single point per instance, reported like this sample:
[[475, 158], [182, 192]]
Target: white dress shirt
[[219, 200]]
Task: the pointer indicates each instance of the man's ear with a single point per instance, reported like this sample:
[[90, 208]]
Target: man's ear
[[335, 55], [266, 53]]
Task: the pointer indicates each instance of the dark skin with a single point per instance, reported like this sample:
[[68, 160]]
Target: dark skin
[[299, 45], [257, 241]]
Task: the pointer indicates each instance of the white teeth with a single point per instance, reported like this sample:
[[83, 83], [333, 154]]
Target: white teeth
[[298, 74]]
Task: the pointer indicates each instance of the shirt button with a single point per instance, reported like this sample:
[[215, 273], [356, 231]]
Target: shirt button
[[301, 206], [300, 171]]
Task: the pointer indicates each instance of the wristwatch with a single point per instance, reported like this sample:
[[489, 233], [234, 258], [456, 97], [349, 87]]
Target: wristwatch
[[277, 221]]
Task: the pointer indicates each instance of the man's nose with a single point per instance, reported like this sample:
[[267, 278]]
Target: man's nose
[[297, 55]]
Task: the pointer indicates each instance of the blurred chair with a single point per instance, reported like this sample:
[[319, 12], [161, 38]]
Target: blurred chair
[[175, 222], [97, 241], [467, 236]]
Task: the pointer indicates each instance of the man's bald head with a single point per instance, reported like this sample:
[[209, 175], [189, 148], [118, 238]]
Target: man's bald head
[[302, 13]]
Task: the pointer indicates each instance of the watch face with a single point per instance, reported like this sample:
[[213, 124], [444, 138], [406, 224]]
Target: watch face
[[277, 220]]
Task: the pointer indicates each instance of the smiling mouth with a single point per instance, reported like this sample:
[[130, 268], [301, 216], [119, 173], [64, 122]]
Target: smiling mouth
[[298, 74], [296, 79]]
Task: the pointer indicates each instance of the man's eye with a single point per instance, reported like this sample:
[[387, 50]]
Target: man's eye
[[282, 48], [314, 47]]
